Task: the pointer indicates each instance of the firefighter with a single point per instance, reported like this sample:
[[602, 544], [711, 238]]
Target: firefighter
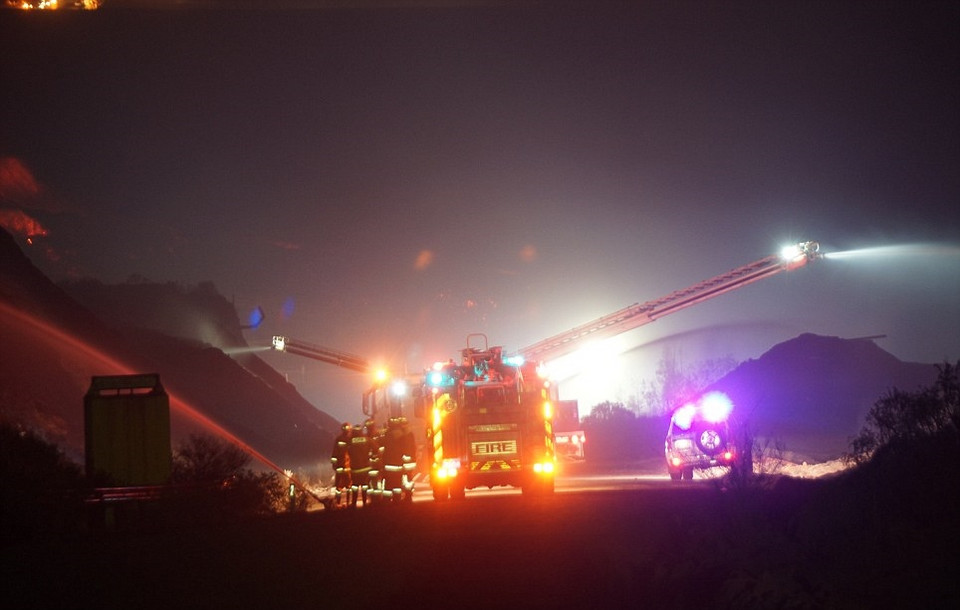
[[409, 457], [375, 446], [340, 460], [359, 452], [399, 460]]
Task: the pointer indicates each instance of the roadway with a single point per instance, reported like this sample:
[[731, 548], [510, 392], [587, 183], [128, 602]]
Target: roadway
[[575, 478]]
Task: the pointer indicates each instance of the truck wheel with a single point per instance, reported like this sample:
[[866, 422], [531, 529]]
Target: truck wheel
[[457, 492], [676, 475], [688, 474], [440, 492], [710, 441]]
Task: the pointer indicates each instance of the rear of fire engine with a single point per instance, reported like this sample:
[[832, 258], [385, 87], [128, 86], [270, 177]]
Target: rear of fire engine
[[490, 423]]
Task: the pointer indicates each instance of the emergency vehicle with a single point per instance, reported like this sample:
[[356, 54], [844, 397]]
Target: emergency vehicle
[[699, 437], [490, 423], [569, 437]]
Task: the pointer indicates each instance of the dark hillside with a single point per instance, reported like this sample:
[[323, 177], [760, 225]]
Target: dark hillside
[[198, 313], [813, 392], [51, 344]]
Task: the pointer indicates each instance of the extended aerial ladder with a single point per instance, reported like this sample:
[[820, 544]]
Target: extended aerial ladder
[[638, 314], [628, 318], [379, 401], [323, 354]]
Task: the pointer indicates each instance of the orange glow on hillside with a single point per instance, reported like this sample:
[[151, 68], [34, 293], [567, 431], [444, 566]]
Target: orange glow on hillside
[[16, 221]]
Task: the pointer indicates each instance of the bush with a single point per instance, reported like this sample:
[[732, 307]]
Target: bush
[[900, 416], [615, 434], [41, 491], [220, 483]]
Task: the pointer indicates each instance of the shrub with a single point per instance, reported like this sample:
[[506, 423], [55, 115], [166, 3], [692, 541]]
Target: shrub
[[222, 484], [900, 416], [40, 489]]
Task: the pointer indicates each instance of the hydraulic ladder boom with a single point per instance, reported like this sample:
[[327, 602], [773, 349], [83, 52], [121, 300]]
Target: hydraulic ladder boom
[[639, 314], [323, 354]]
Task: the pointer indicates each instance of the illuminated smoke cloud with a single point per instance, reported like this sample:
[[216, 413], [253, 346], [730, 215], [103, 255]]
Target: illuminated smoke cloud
[[16, 221], [424, 260], [17, 183], [19, 189]]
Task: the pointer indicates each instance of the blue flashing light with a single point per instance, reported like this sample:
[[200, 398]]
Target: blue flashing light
[[288, 307], [440, 378], [683, 417], [713, 407], [514, 360], [716, 407]]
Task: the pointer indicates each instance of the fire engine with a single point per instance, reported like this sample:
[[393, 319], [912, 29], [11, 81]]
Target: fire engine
[[490, 423]]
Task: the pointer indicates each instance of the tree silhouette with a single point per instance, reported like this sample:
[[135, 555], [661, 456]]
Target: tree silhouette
[[901, 417], [223, 484], [40, 489]]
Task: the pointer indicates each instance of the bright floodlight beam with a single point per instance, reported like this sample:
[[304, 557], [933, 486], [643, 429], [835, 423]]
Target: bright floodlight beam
[[279, 343]]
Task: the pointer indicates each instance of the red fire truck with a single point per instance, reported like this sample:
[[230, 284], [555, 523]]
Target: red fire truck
[[489, 423]]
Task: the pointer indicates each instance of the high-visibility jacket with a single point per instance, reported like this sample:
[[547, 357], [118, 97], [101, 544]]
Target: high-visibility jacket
[[359, 453], [399, 456], [340, 459]]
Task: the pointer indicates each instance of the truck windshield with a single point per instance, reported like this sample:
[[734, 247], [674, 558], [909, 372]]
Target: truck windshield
[[483, 399]]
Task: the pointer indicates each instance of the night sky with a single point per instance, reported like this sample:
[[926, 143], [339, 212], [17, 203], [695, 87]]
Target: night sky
[[385, 181]]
